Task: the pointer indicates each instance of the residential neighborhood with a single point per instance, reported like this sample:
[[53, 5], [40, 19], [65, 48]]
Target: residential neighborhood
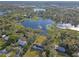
[[39, 29]]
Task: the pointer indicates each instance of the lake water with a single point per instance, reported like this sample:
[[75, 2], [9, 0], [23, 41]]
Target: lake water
[[39, 24], [42, 24]]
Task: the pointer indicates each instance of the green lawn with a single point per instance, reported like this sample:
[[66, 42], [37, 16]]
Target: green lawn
[[1, 42]]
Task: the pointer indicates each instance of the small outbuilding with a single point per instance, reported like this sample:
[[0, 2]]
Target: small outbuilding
[[22, 42]]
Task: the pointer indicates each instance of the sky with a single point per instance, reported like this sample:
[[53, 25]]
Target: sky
[[39, 0]]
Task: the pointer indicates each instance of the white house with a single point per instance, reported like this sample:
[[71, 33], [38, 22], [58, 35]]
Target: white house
[[39, 9], [56, 46], [5, 37]]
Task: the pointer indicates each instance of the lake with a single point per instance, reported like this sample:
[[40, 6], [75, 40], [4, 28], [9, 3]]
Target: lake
[[43, 24], [38, 24]]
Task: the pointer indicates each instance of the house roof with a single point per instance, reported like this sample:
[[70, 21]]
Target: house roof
[[21, 42], [6, 38], [38, 9], [61, 49], [38, 47], [3, 51], [3, 36]]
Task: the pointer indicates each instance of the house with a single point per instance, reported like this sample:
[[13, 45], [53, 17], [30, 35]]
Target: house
[[22, 42], [39, 9], [24, 15], [5, 37], [37, 47], [76, 54], [21, 6], [60, 49], [17, 18], [56, 46], [3, 51]]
